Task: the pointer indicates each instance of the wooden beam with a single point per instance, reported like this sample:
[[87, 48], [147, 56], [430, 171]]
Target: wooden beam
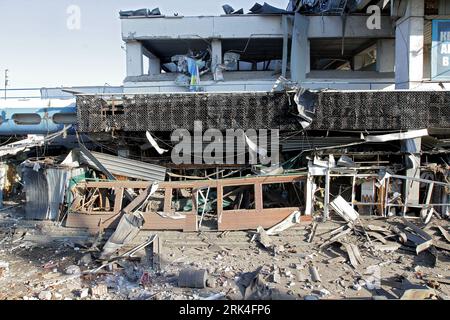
[[152, 221], [168, 200], [258, 197], [194, 184]]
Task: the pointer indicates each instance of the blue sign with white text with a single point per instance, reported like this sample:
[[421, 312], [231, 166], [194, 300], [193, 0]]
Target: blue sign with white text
[[440, 50]]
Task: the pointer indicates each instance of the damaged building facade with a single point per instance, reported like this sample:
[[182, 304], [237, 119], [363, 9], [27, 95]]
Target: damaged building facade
[[329, 78], [354, 103], [355, 94]]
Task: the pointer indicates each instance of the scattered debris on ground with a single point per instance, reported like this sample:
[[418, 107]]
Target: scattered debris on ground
[[214, 266]]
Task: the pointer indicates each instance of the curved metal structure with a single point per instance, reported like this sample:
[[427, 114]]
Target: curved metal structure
[[36, 116]]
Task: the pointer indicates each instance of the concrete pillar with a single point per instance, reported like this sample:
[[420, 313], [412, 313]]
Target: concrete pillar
[[300, 53], [412, 160], [154, 65], [385, 55], [409, 46], [135, 63], [427, 62], [216, 52], [284, 61]]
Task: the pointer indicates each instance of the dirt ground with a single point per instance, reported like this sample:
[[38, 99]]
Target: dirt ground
[[40, 260]]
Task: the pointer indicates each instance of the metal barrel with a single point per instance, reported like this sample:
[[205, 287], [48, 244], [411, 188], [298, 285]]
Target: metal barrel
[[191, 278]]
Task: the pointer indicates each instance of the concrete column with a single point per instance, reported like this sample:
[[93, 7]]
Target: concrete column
[[216, 52], [409, 46], [154, 64], [135, 64], [412, 160], [385, 55], [300, 53], [427, 63]]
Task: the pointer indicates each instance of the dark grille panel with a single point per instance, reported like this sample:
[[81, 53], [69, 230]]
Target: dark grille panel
[[366, 110], [382, 110]]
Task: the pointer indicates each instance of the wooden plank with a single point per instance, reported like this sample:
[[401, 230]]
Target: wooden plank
[[385, 198], [137, 201], [168, 200], [377, 236], [92, 222], [230, 220], [444, 233], [118, 199], [156, 254], [429, 193], [258, 197], [152, 221], [326, 200], [219, 202], [354, 261], [94, 212], [251, 219], [353, 191], [356, 253]]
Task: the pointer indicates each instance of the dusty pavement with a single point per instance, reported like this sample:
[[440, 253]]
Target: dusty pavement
[[40, 260]]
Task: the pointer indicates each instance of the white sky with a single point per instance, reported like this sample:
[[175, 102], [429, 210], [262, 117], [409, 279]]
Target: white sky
[[40, 51]]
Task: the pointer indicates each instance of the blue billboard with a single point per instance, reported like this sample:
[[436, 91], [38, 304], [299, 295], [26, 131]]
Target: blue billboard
[[440, 50]]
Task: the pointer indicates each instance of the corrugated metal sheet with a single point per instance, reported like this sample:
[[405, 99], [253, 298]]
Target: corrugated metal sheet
[[286, 144], [57, 181], [308, 143], [36, 193], [45, 189], [127, 167]]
